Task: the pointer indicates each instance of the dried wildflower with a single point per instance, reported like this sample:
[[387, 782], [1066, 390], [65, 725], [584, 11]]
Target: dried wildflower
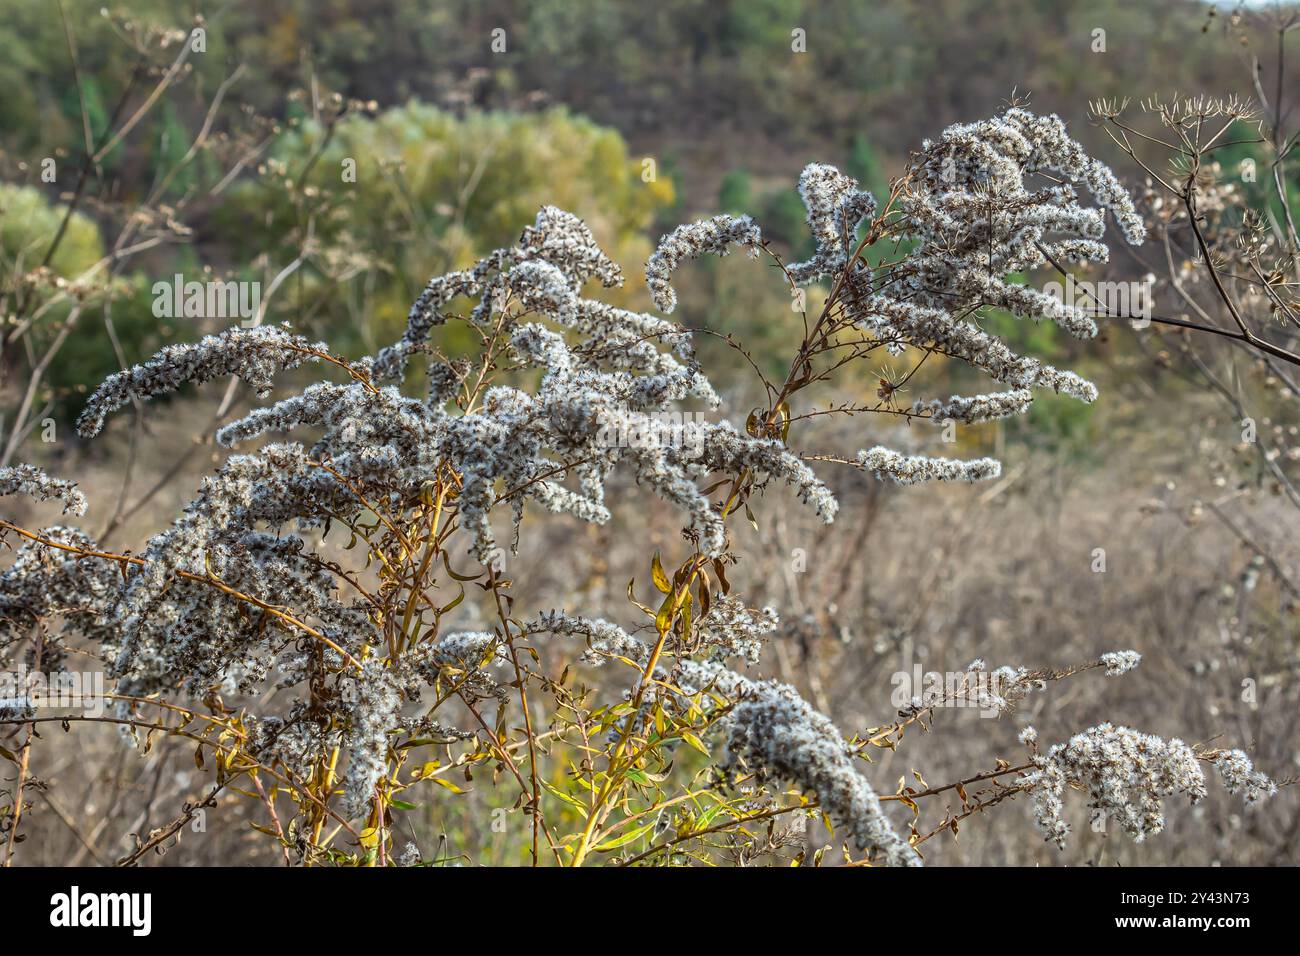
[[1120, 662], [712, 236], [371, 715], [254, 354], [230, 599], [463, 656], [427, 313], [604, 639], [973, 219], [973, 409], [563, 239], [1127, 775], [543, 288], [1005, 687], [774, 731], [835, 207], [910, 469], [924, 326], [732, 630], [44, 581], [381, 446], [31, 481], [1240, 777]]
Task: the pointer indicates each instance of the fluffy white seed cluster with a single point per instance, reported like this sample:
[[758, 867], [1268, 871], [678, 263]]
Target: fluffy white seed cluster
[[1006, 686], [1118, 663], [974, 214], [605, 640], [973, 409], [464, 656], [730, 629], [777, 733], [43, 581], [977, 213], [175, 629], [836, 207], [713, 236], [978, 218], [1127, 775], [911, 469], [772, 730], [908, 323], [255, 355], [374, 713], [603, 371], [31, 481], [1240, 777]]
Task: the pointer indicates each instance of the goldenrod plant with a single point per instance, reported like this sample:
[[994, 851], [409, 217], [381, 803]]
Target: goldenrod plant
[[332, 623]]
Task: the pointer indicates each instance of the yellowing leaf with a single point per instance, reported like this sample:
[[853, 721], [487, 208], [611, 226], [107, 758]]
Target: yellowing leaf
[[657, 573], [664, 619], [695, 742], [631, 596]]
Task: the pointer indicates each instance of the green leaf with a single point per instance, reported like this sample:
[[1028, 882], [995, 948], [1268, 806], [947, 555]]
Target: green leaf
[[447, 607], [567, 798], [626, 838]]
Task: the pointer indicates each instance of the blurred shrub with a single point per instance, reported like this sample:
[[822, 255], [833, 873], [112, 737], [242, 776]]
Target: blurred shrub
[[433, 191], [28, 224], [29, 221]]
